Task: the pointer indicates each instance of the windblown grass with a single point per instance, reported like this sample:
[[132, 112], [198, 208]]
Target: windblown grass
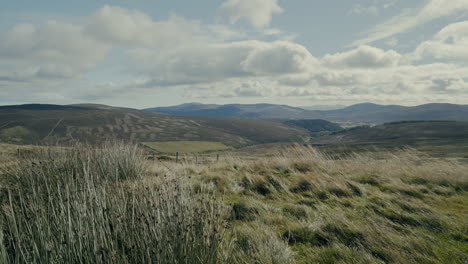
[[400, 207], [90, 206], [298, 206]]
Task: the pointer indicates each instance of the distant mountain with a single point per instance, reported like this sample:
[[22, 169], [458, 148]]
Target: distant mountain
[[373, 113], [260, 111], [359, 113], [323, 107], [35, 123]]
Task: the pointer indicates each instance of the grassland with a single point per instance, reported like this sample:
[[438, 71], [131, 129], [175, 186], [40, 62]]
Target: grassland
[[298, 205], [186, 146], [437, 138], [402, 207]]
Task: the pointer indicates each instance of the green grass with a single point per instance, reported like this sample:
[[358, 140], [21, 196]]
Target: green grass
[[437, 138], [400, 207], [89, 205], [18, 134], [298, 206], [186, 146]]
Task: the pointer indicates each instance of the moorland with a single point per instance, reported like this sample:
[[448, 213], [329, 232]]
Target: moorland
[[100, 184]]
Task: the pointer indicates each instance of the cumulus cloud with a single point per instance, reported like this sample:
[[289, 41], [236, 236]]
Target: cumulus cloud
[[53, 50], [213, 62], [449, 43], [363, 57], [257, 13], [119, 25], [280, 57], [216, 61], [410, 19]]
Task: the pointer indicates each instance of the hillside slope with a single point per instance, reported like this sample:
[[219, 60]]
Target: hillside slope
[[31, 124], [403, 133], [265, 111], [359, 113], [314, 125]]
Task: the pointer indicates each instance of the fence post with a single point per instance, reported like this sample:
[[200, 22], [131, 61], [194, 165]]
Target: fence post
[[217, 157], [177, 157]]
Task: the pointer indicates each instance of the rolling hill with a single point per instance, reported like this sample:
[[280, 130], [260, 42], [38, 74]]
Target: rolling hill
[[359, 113], [261, 111], [407, 131], [439, 138], [314, 126], [35, 123]]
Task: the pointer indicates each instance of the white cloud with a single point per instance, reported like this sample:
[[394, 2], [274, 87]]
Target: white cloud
[[258, 13], [410, 19], [213, 62], [363, 57], [216, 61], [119, 25], [371, 7], [53, 50], [364, 10], [450, 43], [280, 57]]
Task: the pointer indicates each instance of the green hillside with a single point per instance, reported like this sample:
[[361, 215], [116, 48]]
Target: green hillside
[[51, 124], [442, 138]]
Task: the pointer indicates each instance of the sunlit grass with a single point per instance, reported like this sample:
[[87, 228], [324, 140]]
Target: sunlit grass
[[101, 205], [186, 146]]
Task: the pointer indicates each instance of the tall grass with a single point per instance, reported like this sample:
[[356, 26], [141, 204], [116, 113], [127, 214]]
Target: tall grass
[[103, 205], [87, 205], [400, 207]]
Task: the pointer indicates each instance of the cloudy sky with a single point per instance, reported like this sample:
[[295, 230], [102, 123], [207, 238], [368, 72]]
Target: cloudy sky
[[145, 53]]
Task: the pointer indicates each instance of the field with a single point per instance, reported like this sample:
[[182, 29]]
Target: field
[[291, 205], [186, 146]]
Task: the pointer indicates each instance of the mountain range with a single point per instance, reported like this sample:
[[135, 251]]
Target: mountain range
[[51, 124], [359, 113]]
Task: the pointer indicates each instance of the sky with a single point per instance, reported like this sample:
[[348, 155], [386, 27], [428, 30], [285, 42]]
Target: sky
[[147, 53]]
